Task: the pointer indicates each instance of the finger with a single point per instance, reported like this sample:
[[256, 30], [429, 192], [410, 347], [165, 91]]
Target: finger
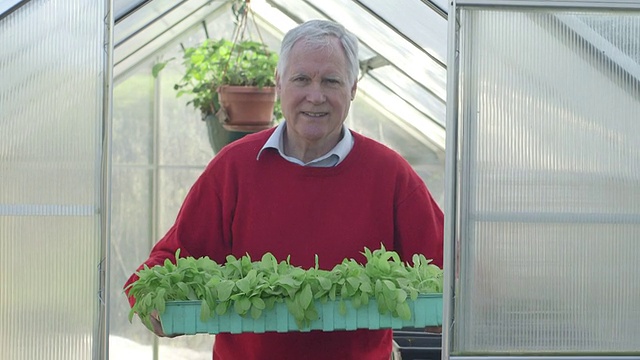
[[157, 325]]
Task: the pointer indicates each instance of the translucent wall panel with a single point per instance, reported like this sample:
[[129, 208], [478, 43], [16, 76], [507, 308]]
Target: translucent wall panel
[[51, 93], [159, 148], [387, 124], [549, 183]]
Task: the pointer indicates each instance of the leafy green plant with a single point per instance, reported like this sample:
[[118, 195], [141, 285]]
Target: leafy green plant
[[250, 287], [216, 63]]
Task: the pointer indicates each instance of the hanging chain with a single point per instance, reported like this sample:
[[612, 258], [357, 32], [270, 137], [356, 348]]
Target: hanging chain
[[242, 11]]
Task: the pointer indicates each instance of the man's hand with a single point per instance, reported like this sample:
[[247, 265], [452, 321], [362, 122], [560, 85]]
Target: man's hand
[[154, 317]]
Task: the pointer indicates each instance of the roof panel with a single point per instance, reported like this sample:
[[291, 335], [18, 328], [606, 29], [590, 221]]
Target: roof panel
[[399, 110], [414, 94], [9, 6], [169, 11], [441, 4], [412, 60], [162, 30], [375, 36], [415, 20], [622, 31], [123, 7], [301, 11]]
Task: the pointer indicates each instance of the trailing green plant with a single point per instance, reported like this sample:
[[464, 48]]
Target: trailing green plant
[[250, 287]]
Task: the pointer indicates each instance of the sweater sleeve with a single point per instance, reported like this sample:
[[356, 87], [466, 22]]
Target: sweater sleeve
[[419, 224], [198, 230]]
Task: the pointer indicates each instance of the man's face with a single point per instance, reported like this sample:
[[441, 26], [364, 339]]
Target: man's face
[[315, 93]]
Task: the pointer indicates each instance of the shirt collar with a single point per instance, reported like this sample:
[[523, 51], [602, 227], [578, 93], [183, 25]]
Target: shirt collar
[[332, 158]]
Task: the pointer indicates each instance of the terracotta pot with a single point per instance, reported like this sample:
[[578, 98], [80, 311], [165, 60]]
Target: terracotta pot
[[247, 105]]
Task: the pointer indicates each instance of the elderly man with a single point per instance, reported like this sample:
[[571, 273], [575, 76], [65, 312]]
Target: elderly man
[[308, 187]]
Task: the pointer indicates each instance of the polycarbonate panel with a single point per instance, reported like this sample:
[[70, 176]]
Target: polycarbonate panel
[[165, 11], [159, 147], [417, 21], [441, 4], [51, 94], [141, 34], [6, 5], [419, 97], [370, 119], [123, 7], [549, 184]]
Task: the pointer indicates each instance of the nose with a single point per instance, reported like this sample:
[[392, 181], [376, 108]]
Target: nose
[[315, 94]]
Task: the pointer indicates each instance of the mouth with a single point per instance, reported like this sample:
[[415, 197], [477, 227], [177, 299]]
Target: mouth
[[314, 113]]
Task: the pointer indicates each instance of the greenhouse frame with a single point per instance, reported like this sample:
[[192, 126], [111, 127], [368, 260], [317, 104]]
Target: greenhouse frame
[[522, 117]]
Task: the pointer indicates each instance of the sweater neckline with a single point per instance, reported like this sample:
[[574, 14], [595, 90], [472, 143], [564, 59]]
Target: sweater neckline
[[345, 164]]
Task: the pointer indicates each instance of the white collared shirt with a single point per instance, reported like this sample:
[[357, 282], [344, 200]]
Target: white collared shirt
[[332, 158]]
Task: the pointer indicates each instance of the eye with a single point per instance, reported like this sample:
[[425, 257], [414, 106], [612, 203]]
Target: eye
[[333, 82], [300, 79]]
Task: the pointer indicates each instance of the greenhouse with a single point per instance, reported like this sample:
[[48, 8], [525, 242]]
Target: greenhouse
[[521, 117]]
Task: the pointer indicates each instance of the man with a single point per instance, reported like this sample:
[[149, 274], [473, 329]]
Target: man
[[308, 187]]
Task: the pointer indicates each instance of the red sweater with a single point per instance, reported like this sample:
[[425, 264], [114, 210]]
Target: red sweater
[[241, 205]]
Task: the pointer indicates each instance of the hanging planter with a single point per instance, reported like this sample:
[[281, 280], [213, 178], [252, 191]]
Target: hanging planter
[[248, 107], [215, 66], [218, 134]]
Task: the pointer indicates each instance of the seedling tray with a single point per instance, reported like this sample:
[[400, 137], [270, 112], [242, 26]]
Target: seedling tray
[[183, 317]]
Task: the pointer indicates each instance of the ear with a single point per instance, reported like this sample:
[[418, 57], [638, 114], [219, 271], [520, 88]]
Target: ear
[[278, 85], [353, 90]]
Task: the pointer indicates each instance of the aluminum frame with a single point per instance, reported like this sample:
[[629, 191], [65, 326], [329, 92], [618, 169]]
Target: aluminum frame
[[101, 348], [451, 210], [9, 6]]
